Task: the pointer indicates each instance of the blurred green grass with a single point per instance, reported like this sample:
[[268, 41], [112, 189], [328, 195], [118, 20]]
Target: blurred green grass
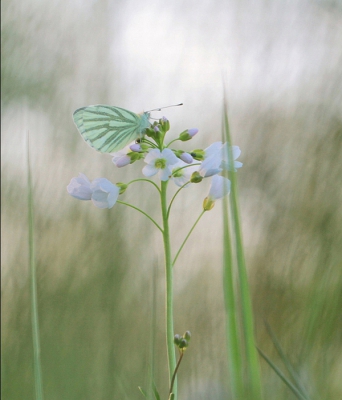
[[95, 279]]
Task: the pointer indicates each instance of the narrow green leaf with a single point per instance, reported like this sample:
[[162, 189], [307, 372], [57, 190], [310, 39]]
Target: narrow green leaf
[[289, 384], [34, 296], [286, 361], [155, 391]]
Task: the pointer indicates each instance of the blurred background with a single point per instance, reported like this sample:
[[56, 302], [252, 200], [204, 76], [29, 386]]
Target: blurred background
[[100, 272]]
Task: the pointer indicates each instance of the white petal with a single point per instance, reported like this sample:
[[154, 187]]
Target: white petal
[[220, 187], [149, 170], [169, 156], [152, 155]]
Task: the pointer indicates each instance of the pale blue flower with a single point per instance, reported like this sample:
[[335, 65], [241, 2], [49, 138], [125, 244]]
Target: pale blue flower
[[80, 188], [220, 187], [101, 191], [105, 193], [216, 159], [212, 160], [225, 164]]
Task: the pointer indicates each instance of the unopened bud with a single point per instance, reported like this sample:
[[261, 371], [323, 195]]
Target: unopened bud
[[198, 154], [196, 177], [183, 344], [165, 124], [188, 134], [122, 187], [208, 204], [177, 339], [135, 147], [186, 157]]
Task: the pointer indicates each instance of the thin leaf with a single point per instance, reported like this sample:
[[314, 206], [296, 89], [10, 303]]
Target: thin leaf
[[155, 391], [289, 384], [34, 295], [286, 362]]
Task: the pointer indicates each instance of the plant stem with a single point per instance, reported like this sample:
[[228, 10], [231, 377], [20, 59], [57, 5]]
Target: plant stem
[[142, 212], [175, 373], [171, 355], [187, 237]]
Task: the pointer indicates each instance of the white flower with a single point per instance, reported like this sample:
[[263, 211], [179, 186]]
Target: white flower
[[80, 188], [180, 175], [101, 191], [219, 188], [159, 162], [212, 160], [225, 158], [105, 194], [217, 158]]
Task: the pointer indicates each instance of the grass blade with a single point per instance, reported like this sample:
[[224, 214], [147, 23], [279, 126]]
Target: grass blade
[[232, 334], [253, 368], [286, 362], [289, 384], [33, 281]]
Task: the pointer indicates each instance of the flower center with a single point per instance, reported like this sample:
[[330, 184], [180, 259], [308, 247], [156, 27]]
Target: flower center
[[160, 163]]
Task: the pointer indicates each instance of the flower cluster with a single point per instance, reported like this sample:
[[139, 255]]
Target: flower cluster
[[182, 167]]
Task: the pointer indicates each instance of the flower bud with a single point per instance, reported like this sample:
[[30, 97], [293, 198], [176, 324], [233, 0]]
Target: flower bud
[[177, 339], [198, 154], [122, 187], [208, 204], [183, 344], [122, 161], [186, 157], [188, 134], [187, 335], [135, 147], [196, 177], [165, 124]]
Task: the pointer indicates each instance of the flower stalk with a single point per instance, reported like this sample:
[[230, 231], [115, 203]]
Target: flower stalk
[[171, 354]]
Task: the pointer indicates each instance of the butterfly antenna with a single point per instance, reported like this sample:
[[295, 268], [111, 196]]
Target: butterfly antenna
[[161, 108]]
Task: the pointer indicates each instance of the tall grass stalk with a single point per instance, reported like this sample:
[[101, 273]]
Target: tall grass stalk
[[33, 283], [252, 362], [232, 334]]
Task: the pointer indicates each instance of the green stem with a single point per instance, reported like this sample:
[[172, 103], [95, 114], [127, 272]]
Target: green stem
[[144, 180], [142, 212], [171, 355], [187, 237], [34, 301], [173, 198]]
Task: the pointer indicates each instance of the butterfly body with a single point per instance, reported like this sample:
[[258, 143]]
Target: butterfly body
[[109, 129]]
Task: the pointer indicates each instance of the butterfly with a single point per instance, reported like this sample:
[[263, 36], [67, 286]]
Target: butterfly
[[109, 129]]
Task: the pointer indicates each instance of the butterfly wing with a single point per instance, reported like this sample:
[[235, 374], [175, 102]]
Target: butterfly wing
[[109, 129]]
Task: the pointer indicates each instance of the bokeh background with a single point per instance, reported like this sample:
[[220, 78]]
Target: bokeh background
[[100, 272]]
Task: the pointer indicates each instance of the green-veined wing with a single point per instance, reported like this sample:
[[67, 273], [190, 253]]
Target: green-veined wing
[[109, 129]]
